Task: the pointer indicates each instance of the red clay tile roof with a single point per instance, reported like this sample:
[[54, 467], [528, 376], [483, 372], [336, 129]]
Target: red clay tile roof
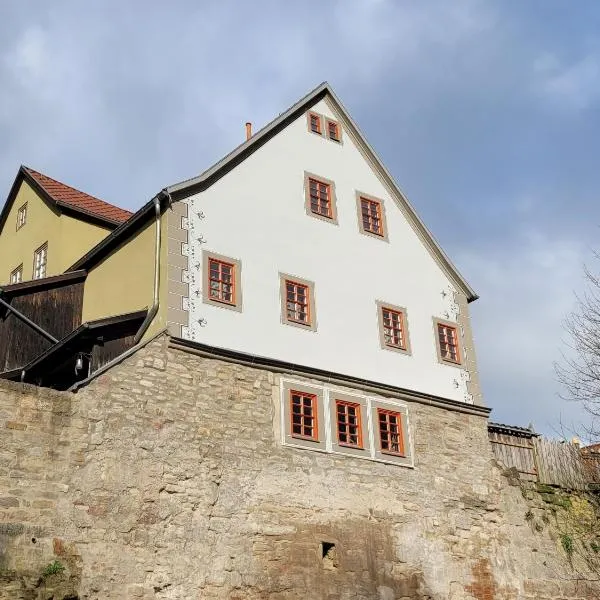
[[79, 201]]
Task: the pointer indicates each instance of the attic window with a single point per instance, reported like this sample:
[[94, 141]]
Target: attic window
[[17, 275], [22, 216], [333, 130], [40, 260], [314, 123]]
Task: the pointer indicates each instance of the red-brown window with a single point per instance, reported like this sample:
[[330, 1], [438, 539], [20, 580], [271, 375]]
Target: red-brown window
[[297, 302], [448, 339], [221, 281], [349, 427], [393, 328], [315, 123], [333, 129], [303, 414], [390, 432], [371, 216], [320, 198]]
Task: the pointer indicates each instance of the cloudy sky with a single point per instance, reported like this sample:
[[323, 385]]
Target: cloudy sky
[[486, 112]]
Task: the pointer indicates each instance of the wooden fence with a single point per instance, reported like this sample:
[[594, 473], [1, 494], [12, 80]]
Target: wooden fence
[[549, 462]]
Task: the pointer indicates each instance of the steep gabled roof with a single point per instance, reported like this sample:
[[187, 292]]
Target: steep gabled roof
[[67, 198], [197, 184], [184, 189]]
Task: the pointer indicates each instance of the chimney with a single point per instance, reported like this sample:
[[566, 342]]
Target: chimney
[[248, 131]]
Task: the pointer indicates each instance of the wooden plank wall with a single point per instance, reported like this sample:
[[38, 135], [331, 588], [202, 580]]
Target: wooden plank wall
[[560, 463], [514, 451], [57, 310]]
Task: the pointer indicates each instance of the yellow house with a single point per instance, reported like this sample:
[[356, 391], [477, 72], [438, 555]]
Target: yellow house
[[45, 226]]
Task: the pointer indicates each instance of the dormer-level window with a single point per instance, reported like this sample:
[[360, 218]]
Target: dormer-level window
[[314, 123], [22, 216], [448, 344], [40, 260], [17, 275]]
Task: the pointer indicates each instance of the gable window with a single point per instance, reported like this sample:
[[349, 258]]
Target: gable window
[[222, 281], [393, 327], [297, 306], [447, 342], [40, 260], [320, 198], [17, 275], [314, 123], [391, 438], [371, 216], [349, 425], [320, 201], [333, 131], [297, 302], [22, 216], [303, 413]]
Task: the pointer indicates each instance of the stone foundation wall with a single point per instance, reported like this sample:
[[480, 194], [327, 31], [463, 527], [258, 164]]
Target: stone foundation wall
[[165, 479]]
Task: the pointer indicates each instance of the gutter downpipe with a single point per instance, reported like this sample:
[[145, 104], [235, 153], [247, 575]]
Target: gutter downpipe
[[28, 321], [154, 309]]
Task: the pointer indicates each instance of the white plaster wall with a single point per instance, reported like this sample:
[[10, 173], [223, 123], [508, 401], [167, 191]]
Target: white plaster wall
[[257, 214]]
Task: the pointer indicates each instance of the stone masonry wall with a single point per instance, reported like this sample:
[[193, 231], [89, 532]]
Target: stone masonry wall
[[165, 479]]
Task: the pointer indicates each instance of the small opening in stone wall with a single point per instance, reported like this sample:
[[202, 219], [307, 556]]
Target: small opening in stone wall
[[329, 555], [33, 540]]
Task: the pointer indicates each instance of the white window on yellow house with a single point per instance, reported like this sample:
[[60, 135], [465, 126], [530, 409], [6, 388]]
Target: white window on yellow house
[[22, 216], [40, 259], [17, 275]]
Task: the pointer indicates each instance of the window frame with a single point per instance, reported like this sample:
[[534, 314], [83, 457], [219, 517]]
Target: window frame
[[17, 270], [311, 325], [401, 444], [382, 216], [36, 253], [437, 323], [381, 306], [314, 407], [332, 198], [310, 115], [207, 257], [406, 459], [335, 396], [338, 129], [287, 387], [22, 211]]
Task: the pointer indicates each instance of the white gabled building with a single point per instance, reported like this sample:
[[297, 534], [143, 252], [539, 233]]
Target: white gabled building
[[303, 252]]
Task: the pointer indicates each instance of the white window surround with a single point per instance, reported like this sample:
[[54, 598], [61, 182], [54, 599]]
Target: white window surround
[[327, 395]]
